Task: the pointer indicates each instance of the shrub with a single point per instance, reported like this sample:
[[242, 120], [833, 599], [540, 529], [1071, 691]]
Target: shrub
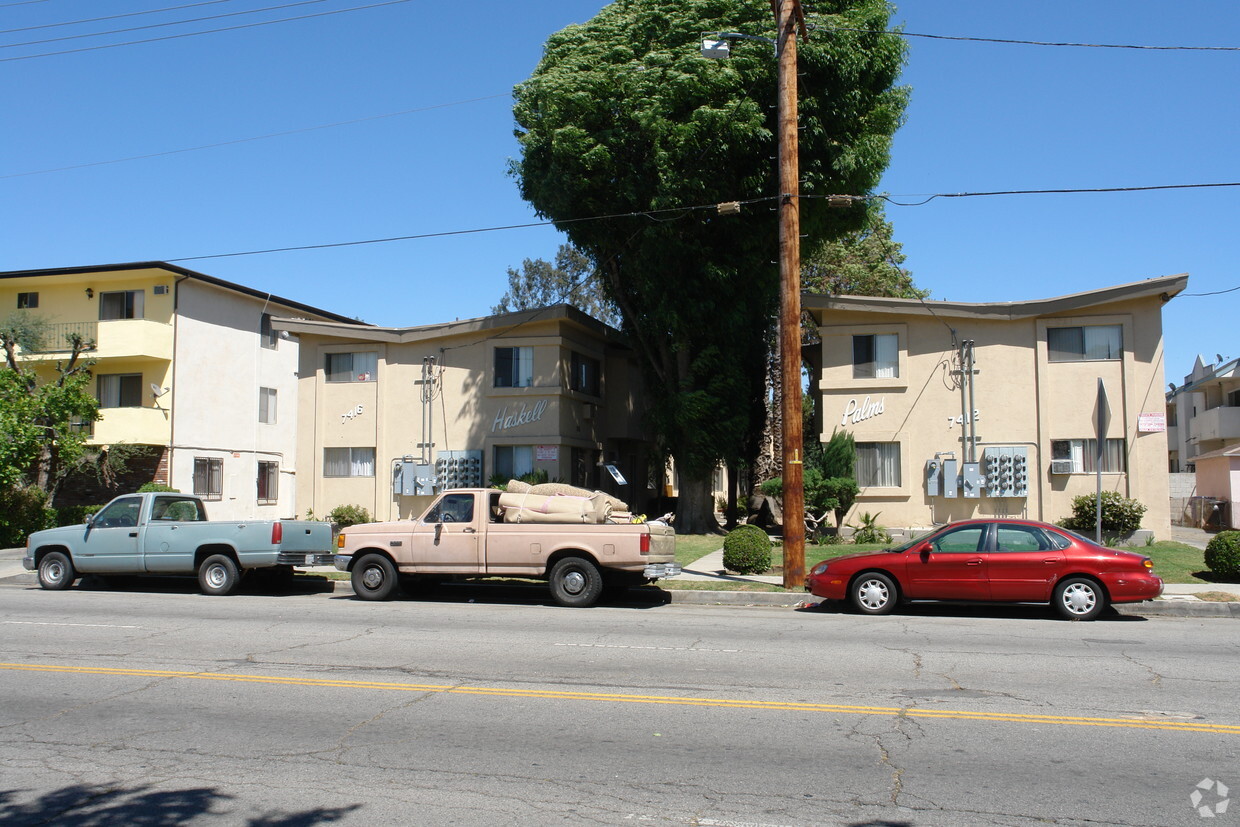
[[1119, 514], [25, 510], [158, 487], [347, 515], [870, 531], [1223, 555], [747, 550]]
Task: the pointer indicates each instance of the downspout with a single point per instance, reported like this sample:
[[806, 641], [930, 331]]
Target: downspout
[[176, 339]]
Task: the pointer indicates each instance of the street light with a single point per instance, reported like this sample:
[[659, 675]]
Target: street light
[[789, 20]]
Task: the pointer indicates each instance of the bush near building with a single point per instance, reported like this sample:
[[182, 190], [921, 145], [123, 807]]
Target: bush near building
[[1120, 515], [747, 550], [1223, 555]]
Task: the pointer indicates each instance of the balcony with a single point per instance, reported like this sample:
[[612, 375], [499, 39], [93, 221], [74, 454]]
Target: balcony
[[144, 426], [114, 339], [1217, 424]]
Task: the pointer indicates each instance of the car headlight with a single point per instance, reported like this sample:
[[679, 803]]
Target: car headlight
[[818, 569]]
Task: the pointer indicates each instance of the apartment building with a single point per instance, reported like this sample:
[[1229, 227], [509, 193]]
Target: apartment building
[[1203, 436], [186, 364], [966, 410], [389, 415]]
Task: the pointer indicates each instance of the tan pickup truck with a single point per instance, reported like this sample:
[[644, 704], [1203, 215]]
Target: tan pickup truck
[[582, 555]]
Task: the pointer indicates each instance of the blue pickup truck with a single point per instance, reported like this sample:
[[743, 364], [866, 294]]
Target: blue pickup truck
[[161, 533]]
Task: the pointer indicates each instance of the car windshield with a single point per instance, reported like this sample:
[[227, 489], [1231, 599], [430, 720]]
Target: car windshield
[[905, 546]]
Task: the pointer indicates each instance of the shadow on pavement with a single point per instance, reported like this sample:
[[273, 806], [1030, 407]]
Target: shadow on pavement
[[107, 806], [521, 594], [1006, 611], [251, 584]]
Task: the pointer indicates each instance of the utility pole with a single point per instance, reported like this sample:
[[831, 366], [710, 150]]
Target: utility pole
[[790, 20]]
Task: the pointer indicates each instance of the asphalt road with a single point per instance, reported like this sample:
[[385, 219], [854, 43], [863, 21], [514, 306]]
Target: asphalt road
[[159, 706]]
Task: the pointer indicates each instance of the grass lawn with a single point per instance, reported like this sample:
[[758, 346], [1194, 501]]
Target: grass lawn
[[1173, 562]]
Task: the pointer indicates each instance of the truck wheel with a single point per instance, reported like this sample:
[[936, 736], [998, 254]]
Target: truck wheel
[[576, 582], [56, 571], [218, 575], [374, 578]]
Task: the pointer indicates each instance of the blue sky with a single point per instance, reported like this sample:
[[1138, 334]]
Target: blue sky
[[426, 86]]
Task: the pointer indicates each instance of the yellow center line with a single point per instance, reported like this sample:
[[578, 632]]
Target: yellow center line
[[610, 697]]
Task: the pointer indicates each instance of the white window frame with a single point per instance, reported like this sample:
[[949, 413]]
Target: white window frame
[[885, 349], [1081, 453], [519, 367], [362, 366], [878, 465], [348, 462], [1098, 343], [133, 305], [267, 406], [112, 387]]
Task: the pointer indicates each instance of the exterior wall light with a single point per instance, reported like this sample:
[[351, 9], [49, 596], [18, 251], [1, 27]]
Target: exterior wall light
[[90, 294]]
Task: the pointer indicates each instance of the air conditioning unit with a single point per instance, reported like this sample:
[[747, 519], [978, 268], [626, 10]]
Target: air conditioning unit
[[1061, 466], [161, 289]]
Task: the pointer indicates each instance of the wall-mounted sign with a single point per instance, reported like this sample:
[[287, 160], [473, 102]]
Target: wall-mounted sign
[[859, 413], [546, 453], [521, 416], [352, 413], [1151, 423]]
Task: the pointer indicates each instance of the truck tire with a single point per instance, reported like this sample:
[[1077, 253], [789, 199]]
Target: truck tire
[[218, 575], [374, 578], [56, 571], [576, 582]]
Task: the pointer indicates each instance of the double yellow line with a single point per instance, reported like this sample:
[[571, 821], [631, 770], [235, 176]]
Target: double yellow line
[[609, 697]]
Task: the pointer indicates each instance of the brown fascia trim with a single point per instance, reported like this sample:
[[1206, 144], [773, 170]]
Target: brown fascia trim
[[181, 271], [1165, 287], [501, 324]]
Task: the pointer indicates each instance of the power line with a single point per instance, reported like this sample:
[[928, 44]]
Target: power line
[[111, 17], [252, 138], [890, 198], [1042, 42], [205, 31], [1215, 293]]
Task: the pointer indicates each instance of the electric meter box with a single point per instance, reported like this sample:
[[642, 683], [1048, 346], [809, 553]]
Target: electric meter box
[[1006, 471], [951, 480], [972, 480], [934, 477], [458, 469]]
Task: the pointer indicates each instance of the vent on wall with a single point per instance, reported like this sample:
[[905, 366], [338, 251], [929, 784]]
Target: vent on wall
[[1061, 466], [161, 289]]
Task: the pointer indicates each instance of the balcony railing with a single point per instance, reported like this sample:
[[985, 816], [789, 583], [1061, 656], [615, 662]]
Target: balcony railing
[[1219, 423], [59, 337]]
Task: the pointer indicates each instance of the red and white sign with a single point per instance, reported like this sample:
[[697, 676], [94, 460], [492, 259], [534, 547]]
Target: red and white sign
[[1151, 423], [546, 453]]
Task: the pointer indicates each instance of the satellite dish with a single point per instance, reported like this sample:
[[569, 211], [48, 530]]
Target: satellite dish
[[157, 391]]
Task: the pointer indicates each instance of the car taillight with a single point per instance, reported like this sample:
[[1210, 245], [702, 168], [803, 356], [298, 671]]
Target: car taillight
[[1148, 563], [277, 532], [644, 546]]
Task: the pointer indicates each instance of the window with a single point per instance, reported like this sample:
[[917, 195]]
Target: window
[[352, 367], [122, 304], [876, 356], [1233, 399], [266, 335], [513, 461], [27, 300], [208, 478], [268, 482], [586, 375], [177, 509], [1081, 453], [348, 462], [267, 405], [453, 508], [1021, 538], [878, 464], [122, 513], [965, 540], [514, 367], [1080, 344], [120, 390]]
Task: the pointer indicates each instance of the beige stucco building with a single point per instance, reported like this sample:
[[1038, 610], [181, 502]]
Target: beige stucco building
[[185, 363], [1015, 435], [390, 414], [1203, 435]]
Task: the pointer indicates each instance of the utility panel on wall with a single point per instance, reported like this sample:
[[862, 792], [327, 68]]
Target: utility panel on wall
[[458, 469], [1006, 470]]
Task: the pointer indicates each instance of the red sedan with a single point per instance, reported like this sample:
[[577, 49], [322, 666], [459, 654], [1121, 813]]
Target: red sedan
[[1000, 560]]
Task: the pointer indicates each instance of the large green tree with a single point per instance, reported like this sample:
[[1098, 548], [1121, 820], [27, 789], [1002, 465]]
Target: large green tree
[[572, 279], [623, 117], [42, 405], [867, 261]]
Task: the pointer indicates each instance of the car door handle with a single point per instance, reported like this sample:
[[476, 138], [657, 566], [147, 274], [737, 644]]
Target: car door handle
[[1051, 560], [469, 530], [133, 534], [972, 562]]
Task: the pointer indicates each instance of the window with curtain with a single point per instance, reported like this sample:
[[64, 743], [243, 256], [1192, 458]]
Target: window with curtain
[[352, 367], [878, 464], [120, 390], [208, 477], [1085, 344], [514, 367], [27, 300], [268, 482], [122, 304], [348, 462], [876, 356], [267, 405], [1083, 454], [513, 461]]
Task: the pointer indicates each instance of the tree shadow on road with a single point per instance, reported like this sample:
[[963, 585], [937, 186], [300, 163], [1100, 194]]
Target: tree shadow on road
[[96, 805]]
